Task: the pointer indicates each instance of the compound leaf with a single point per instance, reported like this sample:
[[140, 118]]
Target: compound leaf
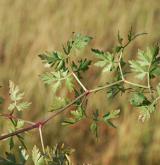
[[106, 60], [147, 62], [81, 41], [54, 58], [58, 103], [138, 99], [37, 157]]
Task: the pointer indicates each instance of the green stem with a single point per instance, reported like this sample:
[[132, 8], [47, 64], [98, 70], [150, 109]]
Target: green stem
[[135, 36]]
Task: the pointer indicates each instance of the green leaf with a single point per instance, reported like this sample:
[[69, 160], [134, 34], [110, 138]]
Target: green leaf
[[68, 47], [54, 58], [111, 115], [147, 62], [20, 124], [114, 90], [11, 143], [130, 34], [120, 39], [56, 86], [55, 79], [58, 103], [60, 155], [139, 69], [68, 121], [138, 99], [155, 70], [1, 100], [37, 157], [23, 105], [94, 128], [145, 112], [96, 115], [78, 93], [106, 62], [14, 92], [11, 158], [77, 115], [81, 41], [109, 123], [69, 83], [11, 107], [23, 156], [16, 96], [81, 66]]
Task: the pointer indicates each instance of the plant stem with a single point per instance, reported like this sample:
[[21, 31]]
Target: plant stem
[[135, 36], [41, 138], [135, 84], [18, 132], [10, 116], [119, 64], [105, 86], [58, 111], [80, 83], [156, 100]]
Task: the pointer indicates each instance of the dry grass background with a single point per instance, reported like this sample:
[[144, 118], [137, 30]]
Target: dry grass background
[[30, 27]]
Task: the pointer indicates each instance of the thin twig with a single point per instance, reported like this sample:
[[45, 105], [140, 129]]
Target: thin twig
[[41, 138], [137, 35], [119, 64], [105, 86], [80, 83], [19, 131], [10, 116], [64, 108], [135, 84]]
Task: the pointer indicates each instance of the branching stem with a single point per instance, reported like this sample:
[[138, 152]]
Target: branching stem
[[105, 86], [10, 116], [58, 111], [84, 94]]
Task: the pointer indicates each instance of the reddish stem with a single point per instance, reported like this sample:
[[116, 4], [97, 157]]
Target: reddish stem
[[41, 123]]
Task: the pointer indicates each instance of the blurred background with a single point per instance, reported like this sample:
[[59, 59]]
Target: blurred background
[[28, 28]]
